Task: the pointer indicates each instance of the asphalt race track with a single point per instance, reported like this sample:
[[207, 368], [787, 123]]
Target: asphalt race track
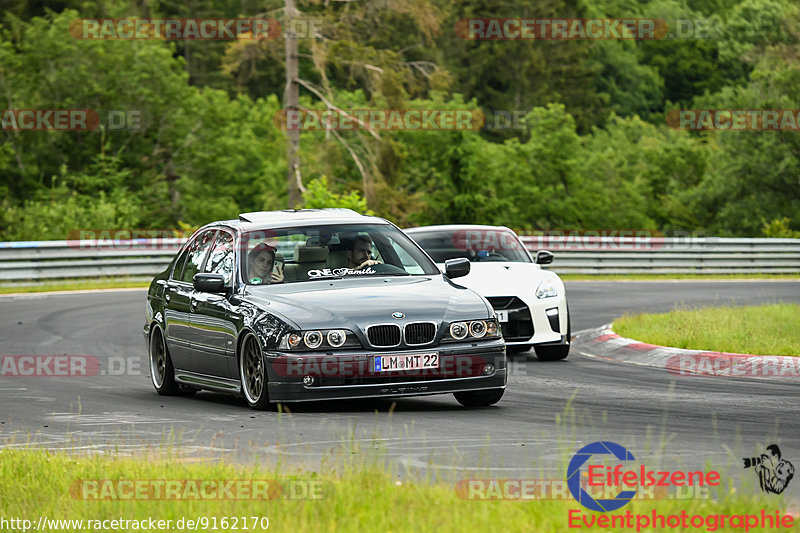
[[548, 412]]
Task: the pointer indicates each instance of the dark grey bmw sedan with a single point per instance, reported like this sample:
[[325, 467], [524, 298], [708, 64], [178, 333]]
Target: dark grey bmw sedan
[[318, 304]]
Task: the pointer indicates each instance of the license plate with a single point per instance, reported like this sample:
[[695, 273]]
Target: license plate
[[396, 363], [502, 316]]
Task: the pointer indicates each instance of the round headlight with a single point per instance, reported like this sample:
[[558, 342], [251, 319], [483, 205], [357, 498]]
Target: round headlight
[[336, 337], [477, 329], [458, 330], [294, 340], [491, 327], [313, 339]]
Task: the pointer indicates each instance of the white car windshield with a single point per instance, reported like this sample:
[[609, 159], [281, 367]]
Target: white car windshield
[[477, 245], [308, 253]]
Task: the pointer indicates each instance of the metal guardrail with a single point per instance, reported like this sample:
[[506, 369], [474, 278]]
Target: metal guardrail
[[664, 255], [52, 260]]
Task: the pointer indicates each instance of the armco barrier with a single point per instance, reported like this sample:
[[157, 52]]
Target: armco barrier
[[50, 260], [664, 255]]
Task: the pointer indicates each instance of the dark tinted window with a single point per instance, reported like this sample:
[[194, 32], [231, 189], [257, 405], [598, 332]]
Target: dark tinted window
[[477, 245], [220, 259], [178, 270], [318, 252], [197, 253]]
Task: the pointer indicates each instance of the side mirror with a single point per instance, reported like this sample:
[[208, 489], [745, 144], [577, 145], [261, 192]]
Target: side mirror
[[543, 257], [455, 268], [209, 282]]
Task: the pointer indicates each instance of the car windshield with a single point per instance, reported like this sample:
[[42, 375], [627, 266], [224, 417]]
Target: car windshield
[[477, 245], [308, 253]]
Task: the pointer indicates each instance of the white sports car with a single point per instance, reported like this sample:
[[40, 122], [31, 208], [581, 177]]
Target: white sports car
[[531, 303]]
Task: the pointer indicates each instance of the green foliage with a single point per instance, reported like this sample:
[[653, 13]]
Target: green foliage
[[199, 156], [594, 151], [632, 88], [318, 196], [754, 25], [517, 75], [75, 201], [636, 174], [231, 155], [779, 229], [753, 175]]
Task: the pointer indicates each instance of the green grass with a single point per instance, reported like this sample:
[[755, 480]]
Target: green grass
[[364, 497], [76, 285], [759, 330], [123, 283]]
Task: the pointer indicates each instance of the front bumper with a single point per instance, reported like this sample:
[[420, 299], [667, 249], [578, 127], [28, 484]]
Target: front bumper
[[532, 321], [462, 367]]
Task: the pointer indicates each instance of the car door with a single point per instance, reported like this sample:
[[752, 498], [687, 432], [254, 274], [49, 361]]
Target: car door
[[213, 332], [178, 295]]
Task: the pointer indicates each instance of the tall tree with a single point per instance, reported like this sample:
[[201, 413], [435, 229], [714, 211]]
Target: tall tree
[[291, 105]]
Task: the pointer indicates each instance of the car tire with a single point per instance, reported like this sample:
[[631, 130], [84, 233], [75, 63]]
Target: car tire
[[253, 373], [479, 398], [162, 374]]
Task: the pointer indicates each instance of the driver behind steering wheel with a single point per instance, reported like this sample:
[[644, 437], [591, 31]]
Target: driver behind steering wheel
[[359, 253]]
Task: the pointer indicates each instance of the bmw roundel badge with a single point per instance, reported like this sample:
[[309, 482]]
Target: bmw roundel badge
[[398, 314]]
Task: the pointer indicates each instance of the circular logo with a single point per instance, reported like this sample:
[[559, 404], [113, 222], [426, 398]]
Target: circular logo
[[256, 281], [574, 476], [398, 314]]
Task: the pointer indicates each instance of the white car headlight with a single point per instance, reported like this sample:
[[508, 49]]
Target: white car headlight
[[547, 288]]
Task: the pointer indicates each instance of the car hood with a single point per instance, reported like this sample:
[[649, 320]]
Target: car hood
[[360, 302], [502, 279]]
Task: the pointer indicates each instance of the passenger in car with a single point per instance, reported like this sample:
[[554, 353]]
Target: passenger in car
[[262, 269]]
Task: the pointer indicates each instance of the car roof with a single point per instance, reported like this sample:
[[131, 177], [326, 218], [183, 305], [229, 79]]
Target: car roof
[[293, 217], [455, 227]]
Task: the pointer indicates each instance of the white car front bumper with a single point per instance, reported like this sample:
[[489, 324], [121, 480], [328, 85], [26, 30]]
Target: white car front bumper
[[528, 321]]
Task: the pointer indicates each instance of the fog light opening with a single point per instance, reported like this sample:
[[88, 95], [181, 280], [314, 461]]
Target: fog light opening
[[488, 369], [552, 317], [308, 380]]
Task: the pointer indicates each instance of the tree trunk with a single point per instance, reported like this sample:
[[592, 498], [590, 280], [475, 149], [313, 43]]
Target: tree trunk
[[291, 100]]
